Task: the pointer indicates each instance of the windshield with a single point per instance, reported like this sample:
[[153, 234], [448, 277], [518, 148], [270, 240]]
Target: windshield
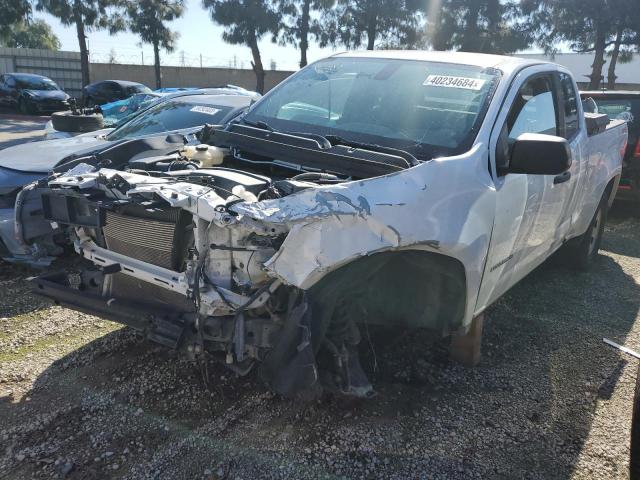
[[139, 88], [36, 83], [425, 106], [170, 115]]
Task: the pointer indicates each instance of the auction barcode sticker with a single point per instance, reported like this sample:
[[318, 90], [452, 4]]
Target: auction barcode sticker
[[454, 82], [203, 109]]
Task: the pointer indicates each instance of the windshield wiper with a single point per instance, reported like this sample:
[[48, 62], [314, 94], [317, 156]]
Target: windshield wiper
[[258, 124], [337, 140], [328, 141], [428, 151], [324, 143]]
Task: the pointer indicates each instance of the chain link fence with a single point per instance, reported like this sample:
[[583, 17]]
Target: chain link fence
[[185, 59]]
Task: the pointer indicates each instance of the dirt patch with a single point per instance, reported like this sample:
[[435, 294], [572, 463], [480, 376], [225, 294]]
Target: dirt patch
[[82, 398]]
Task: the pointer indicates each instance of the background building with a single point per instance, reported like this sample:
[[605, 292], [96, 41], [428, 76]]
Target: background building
[[580, 65]]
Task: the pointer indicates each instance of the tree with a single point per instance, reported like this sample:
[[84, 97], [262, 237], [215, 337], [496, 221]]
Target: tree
[[627, 38], [485, 26], [622, 53], [86, 15], [113, 56], [147, 19], [246, 22], [587, 25], [13, 12], [354, 23], [299, 26], [32, 34], [18, 30]]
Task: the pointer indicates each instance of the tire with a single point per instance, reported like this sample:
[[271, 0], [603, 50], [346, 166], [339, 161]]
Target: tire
[[580, 252], [68, 122], [23, 107], [634, 459]]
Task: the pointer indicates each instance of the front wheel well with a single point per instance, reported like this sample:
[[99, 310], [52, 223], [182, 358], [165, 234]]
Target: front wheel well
[[411, 288], [610, 191]]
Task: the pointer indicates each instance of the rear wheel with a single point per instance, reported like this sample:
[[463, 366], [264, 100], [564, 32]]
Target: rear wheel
[[581, 251], [23, 107]]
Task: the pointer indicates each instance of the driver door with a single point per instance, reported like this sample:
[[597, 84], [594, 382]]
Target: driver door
[[531, 210]]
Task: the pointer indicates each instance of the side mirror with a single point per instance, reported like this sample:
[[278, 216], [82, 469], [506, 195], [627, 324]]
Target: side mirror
[[539, 154]]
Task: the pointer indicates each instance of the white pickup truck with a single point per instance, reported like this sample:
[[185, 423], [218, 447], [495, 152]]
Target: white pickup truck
[[390, 188]]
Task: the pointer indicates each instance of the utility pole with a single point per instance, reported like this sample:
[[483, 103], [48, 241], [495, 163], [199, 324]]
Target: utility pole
[[142, 54]]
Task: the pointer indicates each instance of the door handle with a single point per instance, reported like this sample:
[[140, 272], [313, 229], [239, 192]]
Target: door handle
[[563, 177]]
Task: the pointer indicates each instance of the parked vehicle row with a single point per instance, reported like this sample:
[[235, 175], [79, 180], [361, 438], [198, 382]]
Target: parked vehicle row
[[31, 94], [178, 116], [35, 94], [406, 189], [110, 115]]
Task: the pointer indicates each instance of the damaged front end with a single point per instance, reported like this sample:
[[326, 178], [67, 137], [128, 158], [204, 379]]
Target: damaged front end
[[168, 255], [267, 259]]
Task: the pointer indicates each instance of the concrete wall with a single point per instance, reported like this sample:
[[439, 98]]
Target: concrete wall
[[62, 67], [184, 76]]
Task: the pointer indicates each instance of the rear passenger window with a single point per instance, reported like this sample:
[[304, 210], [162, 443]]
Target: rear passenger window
[[533, 109], [111, 88], [570, 105]]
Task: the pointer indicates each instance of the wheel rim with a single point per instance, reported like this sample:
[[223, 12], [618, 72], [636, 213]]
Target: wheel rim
[[595, 232]]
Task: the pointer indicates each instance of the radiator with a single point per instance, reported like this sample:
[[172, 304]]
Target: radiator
[[149, 240], [159, 237]]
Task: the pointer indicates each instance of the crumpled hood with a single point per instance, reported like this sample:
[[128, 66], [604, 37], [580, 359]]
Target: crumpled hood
[[47, 94], [41, 157]]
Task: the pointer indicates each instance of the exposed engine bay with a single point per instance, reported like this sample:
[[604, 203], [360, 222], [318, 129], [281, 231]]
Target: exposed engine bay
[[172, 248]]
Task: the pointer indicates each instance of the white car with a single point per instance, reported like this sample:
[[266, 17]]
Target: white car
[[183, 114], [407, 189]]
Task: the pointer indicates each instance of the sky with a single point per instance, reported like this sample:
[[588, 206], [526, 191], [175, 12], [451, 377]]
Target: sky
[[198, 36]]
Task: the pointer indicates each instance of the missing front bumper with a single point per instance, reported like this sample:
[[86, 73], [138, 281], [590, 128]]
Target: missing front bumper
[[287, 344]]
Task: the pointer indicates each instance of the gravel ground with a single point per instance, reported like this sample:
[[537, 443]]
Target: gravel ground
[[83, 398]]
